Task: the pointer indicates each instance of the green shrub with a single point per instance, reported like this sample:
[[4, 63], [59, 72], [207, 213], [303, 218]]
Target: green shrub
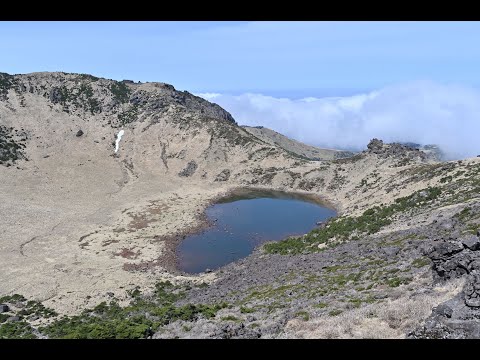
[[120, 91], [343, 228]]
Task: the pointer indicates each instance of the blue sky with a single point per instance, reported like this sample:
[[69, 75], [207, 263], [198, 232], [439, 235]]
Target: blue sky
[[333, 84], [276, 58]]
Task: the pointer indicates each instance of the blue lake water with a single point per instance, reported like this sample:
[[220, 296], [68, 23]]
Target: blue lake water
[[245, 221]]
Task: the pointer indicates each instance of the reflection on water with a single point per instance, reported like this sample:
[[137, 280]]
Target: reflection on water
[[244, 221]]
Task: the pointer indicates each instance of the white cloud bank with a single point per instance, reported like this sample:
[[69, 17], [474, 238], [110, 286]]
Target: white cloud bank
[[423, 112]]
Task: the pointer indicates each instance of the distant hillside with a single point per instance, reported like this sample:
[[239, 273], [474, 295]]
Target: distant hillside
[[300, 149]]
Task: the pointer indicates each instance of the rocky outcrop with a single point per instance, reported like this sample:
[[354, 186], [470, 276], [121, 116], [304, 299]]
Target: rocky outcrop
[[455, 258], [407, 153], [458, 317]]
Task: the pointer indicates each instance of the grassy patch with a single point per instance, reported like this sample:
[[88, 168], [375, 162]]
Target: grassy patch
[[246, 310], [335, 312], [305, 316], [397, 281]]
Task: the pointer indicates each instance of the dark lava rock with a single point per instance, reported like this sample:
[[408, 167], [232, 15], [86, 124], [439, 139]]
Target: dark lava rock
[[79, 133], [445, 249], [189, 169], [472, 242], [443, 310], [472, 291], [4, 308]]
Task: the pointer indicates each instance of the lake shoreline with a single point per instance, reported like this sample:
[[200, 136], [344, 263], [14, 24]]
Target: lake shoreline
[[171, 256]]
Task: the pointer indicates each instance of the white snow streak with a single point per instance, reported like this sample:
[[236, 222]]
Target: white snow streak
[[119, 137]]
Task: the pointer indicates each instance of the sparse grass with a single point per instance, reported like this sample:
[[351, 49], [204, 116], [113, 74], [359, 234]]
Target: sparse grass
[[386, 319], [246, 310], [421, 262], [335, 312], [230, 318], [397, 281]]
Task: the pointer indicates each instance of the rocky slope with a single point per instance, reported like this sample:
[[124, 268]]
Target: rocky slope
[[305, 151], [84, 226]]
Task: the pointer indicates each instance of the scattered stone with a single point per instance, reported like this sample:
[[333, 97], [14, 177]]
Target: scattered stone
[[223, 176]]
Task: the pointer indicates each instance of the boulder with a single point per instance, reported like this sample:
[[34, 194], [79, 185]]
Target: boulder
[[472, 291], [474, 265], [13, 319], [79, 133], [471, 242], [4, 308], [443, 310], [446, 249]]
